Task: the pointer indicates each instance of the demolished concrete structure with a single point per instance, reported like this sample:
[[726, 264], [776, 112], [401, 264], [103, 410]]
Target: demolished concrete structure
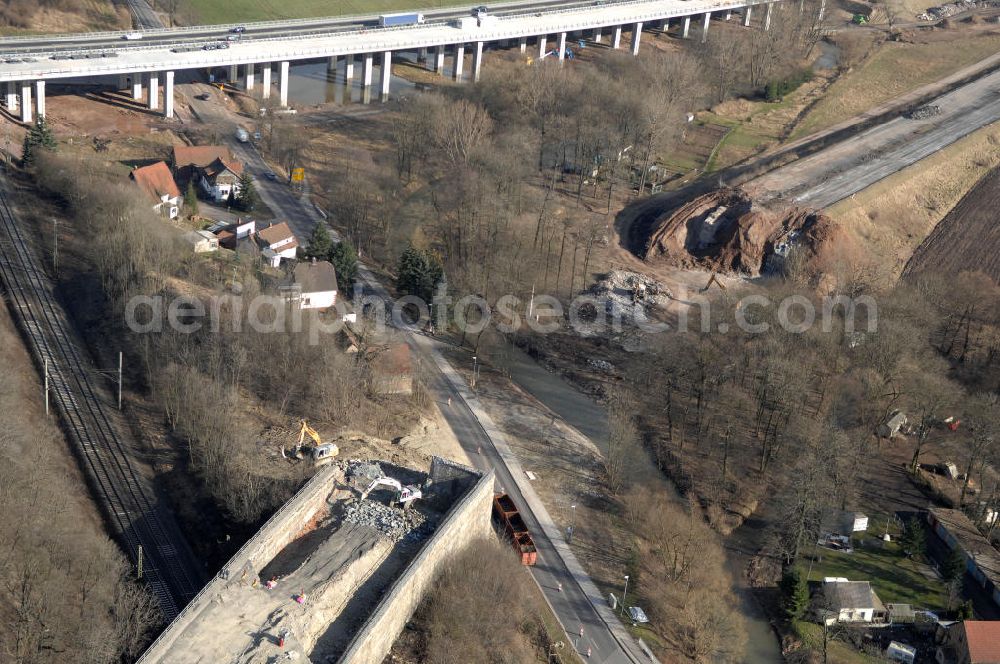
[[314, 585]]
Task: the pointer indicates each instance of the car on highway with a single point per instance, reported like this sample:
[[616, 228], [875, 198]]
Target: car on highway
[[132, 36], [232, 38], [209, 47], [239, 29], [222, 45], [480, 11]]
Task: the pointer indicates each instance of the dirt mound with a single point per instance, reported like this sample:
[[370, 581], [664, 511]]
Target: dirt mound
[[725, 232]]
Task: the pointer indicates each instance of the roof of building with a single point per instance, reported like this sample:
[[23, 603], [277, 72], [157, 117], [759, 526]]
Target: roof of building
[[849, 595], [983, 637], [971, 540], [200, 155], [315, 276], [156, 180], [392, 360], [220, 166], [276, 233]]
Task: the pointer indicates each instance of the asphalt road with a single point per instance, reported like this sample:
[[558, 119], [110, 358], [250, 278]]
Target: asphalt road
[[148, 20], [846, 168], [143, 16]]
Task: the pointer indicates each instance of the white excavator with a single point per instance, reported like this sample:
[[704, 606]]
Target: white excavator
[[320, 452], [405, 495]]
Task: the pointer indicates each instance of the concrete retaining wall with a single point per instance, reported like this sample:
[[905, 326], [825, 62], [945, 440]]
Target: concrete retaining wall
[[469, 519], [243, 567]]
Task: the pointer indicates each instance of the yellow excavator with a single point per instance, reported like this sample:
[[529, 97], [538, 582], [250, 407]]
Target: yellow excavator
[[321, 453]]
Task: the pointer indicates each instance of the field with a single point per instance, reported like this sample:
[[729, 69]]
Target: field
[[894, 578], [967, 237], [211, 11], [895, 69]]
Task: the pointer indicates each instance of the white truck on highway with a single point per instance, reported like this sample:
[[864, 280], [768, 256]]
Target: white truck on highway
[[132, 36], [399, 20]]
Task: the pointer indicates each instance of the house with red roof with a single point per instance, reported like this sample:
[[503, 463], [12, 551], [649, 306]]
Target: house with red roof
[[161, 189], [214, 168], [971, 642]]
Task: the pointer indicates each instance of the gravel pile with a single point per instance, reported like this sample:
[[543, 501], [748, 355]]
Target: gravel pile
[[392, 522]]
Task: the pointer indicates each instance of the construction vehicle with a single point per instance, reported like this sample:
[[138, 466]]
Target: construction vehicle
[[405, 495], [506, 512], [320, 452]]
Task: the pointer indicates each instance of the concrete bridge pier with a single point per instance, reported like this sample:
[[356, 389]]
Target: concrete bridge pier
[[522, 44], [26, 101], [636, 36], [439, 59], [137, 87], [234, 74], [542, 44], [265, 80], [767, 16], [40, 97], [616, 37], [168, 95], [686, 29], [746, 16], [366, 70], [562, 46], [11, 96], [283, 82], [704, 26], [597, 35], [477, 61], [349, 67], [729, 14], [422, 54], [386, 73], [250, 79], [153, 81], [459, 61], [331, 67]]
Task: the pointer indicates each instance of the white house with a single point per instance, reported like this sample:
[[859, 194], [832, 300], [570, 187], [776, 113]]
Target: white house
[[313, 285], [158, 183], [213, 168], [849, 602], [277, 242]]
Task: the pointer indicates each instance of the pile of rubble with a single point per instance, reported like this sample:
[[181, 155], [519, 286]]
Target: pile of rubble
[[950, 9], [391, 522], [924, 112], [623, 289]]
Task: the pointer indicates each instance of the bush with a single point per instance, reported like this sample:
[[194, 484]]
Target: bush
[[775, 90]]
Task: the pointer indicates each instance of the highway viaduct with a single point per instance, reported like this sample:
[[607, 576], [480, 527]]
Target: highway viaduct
[[28, 63]]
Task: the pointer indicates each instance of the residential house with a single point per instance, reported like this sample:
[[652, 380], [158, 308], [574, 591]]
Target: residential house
[[213, 168], [391, 369], [158, 183], [313, 284], [201, 241], [971, 642], [277, 242], [230, 235], [850, 602], [960, 533]]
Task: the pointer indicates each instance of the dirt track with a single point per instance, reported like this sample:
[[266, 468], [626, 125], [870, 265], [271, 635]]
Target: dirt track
[[967, 236]]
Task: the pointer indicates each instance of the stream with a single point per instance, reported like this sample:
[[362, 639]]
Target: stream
[[590, 418]]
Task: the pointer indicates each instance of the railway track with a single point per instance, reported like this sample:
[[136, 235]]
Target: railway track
[[128, 502]]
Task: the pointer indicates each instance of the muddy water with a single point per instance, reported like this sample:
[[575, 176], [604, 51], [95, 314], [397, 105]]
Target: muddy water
[[591, 419]]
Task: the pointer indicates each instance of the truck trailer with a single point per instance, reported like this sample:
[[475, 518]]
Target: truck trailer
[[514, 528], [398, 20]]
